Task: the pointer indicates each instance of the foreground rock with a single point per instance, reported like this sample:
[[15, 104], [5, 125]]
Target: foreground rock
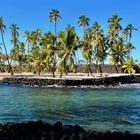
[[92, 81], [44, 131]]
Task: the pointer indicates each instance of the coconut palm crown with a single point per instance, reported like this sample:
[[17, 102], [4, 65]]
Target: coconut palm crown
[[54, 16], [83, 22]]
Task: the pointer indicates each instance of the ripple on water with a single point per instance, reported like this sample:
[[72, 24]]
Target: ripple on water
[[114, 108]]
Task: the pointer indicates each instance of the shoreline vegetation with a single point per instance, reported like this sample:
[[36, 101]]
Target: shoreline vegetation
[[44, 131], [62, 51]]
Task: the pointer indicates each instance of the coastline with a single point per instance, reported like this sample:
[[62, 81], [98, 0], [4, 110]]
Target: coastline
[[80, 79]]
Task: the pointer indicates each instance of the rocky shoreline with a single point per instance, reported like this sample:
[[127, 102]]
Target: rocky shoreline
[[44, 131], [92, 81]]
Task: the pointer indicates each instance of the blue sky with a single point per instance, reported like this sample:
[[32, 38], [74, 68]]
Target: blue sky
[[31, 14]]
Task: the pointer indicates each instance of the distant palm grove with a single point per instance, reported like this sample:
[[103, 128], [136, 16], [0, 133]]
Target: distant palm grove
[[58, 52]]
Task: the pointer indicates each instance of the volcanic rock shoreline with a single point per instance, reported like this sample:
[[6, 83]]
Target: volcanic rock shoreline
[[44, 131], [95, 81]]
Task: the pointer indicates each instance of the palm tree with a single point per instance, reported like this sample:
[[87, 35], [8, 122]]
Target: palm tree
[[129, 66], [37, 59], [119, 48], [87, 50], [68, 43], [96, 28], [114, 27], [99, 43], [2, 29], [119, 52], [49, 51], [113, 40], [128, 31], [14, 38], [2, 58], [14, 34], [54, 16], [83, 22], [129, 47], [28, 42], [35, 37], [19, 55], [36, 50]]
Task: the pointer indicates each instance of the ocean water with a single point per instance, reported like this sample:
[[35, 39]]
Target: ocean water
[[93, 108]]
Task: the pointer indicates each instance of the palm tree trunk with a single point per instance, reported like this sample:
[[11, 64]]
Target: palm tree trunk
[[10, 67], [100, 68], [28, 50], [28, 56], [77, 62], [61, 70], [38, 70], [78, 57], [20, 65], [61, 73], [55, 29], [83, 31], [54, 58], [116, 68], [89, 70], [53, 70], [54, 66]]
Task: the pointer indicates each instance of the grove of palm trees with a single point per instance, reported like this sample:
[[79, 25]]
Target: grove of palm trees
[[58, 52]]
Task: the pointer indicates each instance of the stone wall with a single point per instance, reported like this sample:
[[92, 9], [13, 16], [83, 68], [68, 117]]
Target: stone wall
[[104, 68], [105, 81]]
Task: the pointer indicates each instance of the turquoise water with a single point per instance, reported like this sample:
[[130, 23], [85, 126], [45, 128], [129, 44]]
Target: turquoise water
[[93, 108]]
